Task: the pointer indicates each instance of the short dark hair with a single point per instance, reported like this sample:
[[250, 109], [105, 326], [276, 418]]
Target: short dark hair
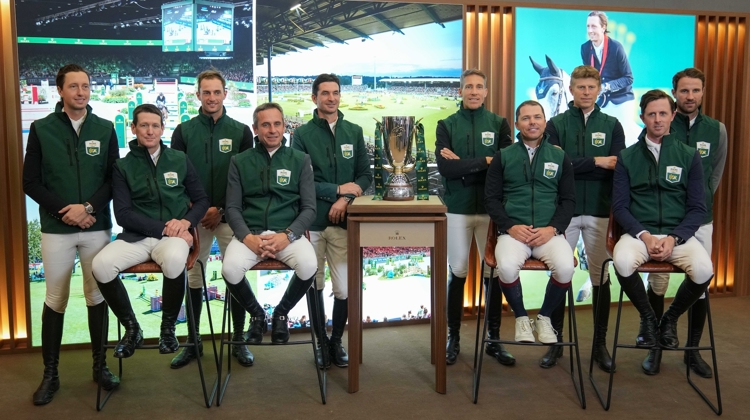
[[691, 72], [210, 74], [470, 72], [265, 107], [68, 68], [325, 77], [148, 108], [655, 95], [529, 103]]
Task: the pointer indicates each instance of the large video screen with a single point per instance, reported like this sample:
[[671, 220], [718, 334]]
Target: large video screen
[[213, 26], [177, 26], [638, 52]]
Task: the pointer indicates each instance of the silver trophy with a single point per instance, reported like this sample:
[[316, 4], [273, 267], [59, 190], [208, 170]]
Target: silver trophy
[[398, 138]]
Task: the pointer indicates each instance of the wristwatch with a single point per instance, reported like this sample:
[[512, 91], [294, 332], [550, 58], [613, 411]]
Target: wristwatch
[[291, 236], [221, 210], [557, 232], [347, 198], [88, 207], [677, 239]]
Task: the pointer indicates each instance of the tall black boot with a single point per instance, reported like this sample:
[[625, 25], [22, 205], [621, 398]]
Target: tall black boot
[[633, 288], [188, 353], [496, 350], [279, 323], [243, 294], [340, 314], [557, 318], [117, 298], [693, 357], [52, 330], [686, 296], [318, 324], [455, 312], [241, 352], [652, 363], [174, 292], [602, 296], [98, 319]]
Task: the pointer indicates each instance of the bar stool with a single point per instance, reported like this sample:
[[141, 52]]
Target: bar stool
[[572, 343], [312, 299], [152, 267], [614, 232]]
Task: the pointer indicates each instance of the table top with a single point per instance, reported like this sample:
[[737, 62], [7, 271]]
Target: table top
[[366, 205]]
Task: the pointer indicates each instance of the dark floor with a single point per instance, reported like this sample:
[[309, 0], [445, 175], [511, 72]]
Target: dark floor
[[397, 381]]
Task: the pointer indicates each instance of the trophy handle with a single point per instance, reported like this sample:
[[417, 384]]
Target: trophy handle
[[388, 167], [409, 167]]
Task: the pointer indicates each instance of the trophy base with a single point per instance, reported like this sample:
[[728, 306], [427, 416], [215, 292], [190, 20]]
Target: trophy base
[[398, 188]]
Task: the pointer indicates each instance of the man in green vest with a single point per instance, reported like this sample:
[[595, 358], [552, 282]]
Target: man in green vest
[[658, 200], [210, 139], [465, 144], [157, 198], [530, 195], [68, 171], [342, 171], [592, 140], [709, 137], [270, 205]]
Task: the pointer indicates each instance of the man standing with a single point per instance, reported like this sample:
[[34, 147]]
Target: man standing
[[592, 140], [210, 140], [68, 171], [466, 142], [531, 198], [659, 202], [157, 198], [342, 172], [270, 205], [709, 137]]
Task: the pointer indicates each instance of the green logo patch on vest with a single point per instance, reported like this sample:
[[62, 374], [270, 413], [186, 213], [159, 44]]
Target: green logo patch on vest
[[488, 138], [225, 145], [550, 170], [674, 174], [93, 147], [704, 148], [347, 151], [283, 176], [170, 178], [598, 139]]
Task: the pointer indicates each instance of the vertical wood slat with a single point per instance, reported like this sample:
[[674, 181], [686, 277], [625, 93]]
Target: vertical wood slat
[[721, 52]]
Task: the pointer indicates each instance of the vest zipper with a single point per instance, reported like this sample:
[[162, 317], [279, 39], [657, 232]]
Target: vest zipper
[[267, 188], [156, 185], [211, 159], [654, 181]]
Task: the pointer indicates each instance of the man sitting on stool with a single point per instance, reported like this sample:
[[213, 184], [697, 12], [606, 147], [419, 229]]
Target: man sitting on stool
[[157, 197], [270, 205], [658, 200], [530, 195]]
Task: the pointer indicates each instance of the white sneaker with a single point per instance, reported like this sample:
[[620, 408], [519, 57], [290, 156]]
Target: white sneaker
[[525, 330], [544, 330]]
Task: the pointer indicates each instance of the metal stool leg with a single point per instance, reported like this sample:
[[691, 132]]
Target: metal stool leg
[[322, 377], [100, 402], [194, 335], [717, 409], [479, 349], [573, 338], [591, 363], [225, 326]]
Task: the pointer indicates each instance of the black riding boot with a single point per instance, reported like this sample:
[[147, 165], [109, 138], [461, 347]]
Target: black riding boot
[[318, 324], [602, 297], [686, 296], [340, 313], [455, 312], [652, 363], [279, 323], [693, 357], [117, 298], [52, 330], [496, 350], [557, 318], [633, 288], [98, 318], [188, 353], [174, 292], [241, 352], [243, 295]]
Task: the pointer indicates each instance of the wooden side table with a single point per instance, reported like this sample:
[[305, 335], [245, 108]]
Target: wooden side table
[[396, 224]]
